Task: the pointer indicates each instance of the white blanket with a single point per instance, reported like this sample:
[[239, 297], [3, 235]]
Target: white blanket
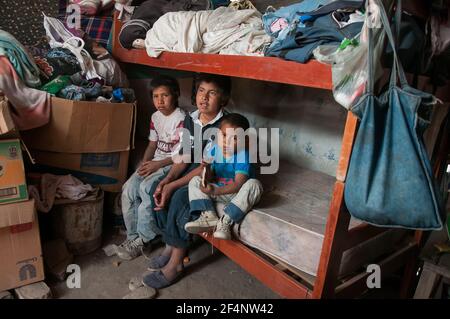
[[224, 31]]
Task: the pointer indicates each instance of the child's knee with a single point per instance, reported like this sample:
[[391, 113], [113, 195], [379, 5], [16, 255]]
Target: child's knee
[[129, 188], [146, 185], [195, 182], [254, 186]]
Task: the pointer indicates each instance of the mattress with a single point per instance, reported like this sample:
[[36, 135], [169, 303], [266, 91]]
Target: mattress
[[289, 222]]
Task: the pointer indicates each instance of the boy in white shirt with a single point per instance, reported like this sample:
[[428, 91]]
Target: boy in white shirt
[[165, 129]]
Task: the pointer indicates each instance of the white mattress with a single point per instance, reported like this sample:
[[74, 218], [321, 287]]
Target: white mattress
[[289, 222]]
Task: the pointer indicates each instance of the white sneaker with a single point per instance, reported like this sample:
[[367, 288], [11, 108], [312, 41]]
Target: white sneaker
[[131, 250], [223, 228], [205, 223], [125, 243]]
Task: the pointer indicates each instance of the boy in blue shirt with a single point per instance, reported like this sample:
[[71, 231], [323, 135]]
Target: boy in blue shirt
[[229, 179]]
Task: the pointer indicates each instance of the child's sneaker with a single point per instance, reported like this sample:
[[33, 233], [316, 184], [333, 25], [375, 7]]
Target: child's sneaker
[[223, 228], [132, 249], [205, 223], [125, 243]]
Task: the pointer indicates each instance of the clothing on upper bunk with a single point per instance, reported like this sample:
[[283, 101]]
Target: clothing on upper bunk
[[296, 15], [241, 4], [223, 30], [20, 58], [31, 106], [298, 34], [149, 12]]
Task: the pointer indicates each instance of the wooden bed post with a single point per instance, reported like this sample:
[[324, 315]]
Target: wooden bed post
[[338, 220]]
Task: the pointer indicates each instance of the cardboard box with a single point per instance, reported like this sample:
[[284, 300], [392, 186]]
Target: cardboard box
[[84, 127], [13, 187], [7, 127], [20, 246], [107, 170]]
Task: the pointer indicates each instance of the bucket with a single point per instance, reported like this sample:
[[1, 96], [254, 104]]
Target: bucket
[[79, 223]]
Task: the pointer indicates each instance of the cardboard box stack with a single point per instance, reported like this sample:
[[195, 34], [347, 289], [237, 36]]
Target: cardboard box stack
[[20, 246], [88, 140]]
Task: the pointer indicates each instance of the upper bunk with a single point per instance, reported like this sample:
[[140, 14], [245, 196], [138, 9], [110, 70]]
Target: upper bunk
[[312, 74]]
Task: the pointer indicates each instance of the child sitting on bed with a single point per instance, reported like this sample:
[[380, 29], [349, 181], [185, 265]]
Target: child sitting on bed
[[229, 179]]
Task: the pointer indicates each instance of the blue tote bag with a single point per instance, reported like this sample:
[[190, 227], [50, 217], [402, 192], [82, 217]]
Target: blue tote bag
[[389, 181]]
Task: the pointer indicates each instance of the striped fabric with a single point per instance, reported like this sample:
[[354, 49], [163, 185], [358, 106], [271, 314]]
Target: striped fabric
[[97, 27]]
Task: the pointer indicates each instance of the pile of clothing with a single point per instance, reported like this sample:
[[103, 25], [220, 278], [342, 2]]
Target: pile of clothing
[[298, 29], [237, 27], [68, 69], [68, 64]]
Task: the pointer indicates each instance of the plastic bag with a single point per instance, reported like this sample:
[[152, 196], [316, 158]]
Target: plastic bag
[[60, 37], [349, 63]]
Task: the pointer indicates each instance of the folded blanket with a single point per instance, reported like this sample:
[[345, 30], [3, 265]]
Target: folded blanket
[[223, 30]]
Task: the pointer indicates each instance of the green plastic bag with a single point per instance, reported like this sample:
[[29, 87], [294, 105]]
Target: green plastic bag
[[57, 84]]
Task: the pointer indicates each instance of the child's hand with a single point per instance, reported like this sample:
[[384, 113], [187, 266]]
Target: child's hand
[[147, 168], [162, 194], [209, 189], [207, 174]]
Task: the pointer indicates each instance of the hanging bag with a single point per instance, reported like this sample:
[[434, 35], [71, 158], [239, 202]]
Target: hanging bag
[[389, 181]]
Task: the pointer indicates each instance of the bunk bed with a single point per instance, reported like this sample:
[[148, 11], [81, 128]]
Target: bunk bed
[[326, 253]]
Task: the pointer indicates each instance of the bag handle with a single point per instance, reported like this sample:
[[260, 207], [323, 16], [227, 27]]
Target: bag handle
[[397, 69]]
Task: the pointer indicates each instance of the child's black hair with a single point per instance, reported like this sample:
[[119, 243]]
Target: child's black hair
[[222, 82], [168, 81], [236, 120]]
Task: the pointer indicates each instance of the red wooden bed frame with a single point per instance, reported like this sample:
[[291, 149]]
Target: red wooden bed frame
[[338, 237]]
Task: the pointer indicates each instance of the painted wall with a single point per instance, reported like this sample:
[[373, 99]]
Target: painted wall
[[310, 122]]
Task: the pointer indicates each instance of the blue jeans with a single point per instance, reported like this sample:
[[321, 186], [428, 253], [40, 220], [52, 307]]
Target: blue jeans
[[137, 201], [171, 220]]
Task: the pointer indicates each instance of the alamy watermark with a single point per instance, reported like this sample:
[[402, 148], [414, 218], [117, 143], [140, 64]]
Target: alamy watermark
[[374, 279], [74, 278], [73, 20], [262, 144]]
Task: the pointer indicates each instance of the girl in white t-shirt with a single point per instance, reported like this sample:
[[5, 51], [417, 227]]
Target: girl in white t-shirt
[[165, 129]]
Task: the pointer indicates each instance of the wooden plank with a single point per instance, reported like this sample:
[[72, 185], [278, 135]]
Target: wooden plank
[[361, 233], [261, 269], [427, 282], [312, 74], [350, 130], [358, 284], [303, 275], [333, 245], [441, 270]]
